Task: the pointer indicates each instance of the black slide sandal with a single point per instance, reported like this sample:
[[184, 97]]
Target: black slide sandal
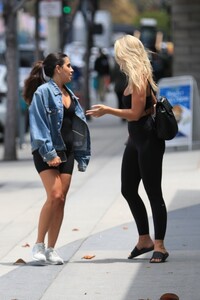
[[160, 256], [136, 252]]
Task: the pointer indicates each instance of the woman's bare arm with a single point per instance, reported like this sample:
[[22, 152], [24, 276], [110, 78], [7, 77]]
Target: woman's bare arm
[[137, 110]]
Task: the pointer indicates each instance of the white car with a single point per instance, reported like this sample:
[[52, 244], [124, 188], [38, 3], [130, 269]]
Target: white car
[[23, 73], [26, 54]]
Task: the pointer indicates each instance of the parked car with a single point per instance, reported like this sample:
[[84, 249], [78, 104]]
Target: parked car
[[26, 59]]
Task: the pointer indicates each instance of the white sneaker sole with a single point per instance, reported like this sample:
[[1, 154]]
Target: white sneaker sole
[[54, 263], [39, 261]]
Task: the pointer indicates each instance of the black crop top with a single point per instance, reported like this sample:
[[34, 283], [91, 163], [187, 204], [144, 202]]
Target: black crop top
[[66, 130]]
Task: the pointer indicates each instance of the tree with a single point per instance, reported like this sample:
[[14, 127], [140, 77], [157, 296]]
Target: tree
[[10, 9], [123, 12]]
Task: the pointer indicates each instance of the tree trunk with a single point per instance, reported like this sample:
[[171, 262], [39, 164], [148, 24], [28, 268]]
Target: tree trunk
[[12, 80], [88, 9]]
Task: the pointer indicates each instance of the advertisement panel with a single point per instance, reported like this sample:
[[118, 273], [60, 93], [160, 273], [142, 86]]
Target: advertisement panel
[[179, 91]]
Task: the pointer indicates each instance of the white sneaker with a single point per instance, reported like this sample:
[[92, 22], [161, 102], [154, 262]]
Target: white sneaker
[[38, 252], [53, 258]]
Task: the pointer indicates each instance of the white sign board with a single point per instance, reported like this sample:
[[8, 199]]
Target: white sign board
[[50, 8], [179, 91]]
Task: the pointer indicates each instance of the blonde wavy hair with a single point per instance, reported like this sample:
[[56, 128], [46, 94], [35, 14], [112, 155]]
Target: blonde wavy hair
[[133, 60]]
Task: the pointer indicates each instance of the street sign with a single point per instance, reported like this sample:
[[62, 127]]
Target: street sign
[[50, 8]]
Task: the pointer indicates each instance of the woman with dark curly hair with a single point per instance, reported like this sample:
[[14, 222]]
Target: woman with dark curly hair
[[59, 135]]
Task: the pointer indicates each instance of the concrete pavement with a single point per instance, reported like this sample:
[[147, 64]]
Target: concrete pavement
[[98, 223]]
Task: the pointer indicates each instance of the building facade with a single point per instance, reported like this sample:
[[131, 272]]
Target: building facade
[[186, 38]]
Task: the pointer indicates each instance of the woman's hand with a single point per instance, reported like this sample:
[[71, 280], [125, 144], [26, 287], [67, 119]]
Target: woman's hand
[[55, 162], [97, 110]]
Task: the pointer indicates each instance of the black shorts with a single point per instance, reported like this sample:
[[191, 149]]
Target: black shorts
[[64, 168]]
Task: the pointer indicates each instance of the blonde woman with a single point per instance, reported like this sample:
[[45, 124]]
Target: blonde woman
[[143, 155]]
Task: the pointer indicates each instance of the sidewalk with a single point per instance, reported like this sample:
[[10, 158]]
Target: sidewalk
[[98, 222]]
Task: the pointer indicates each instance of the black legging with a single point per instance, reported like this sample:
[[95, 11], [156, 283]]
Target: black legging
[[142, 160]]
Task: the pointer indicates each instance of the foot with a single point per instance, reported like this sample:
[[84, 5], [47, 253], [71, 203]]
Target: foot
[[159, 257], [136, 252], [38, 253], [53, 258]]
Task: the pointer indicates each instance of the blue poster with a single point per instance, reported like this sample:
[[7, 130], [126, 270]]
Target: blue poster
[[180, 98]]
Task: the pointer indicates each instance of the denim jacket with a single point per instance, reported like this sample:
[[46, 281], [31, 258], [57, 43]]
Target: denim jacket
[[46, 116]]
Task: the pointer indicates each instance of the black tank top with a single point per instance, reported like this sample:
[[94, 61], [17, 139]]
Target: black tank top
[[66, 129], [127, 101]]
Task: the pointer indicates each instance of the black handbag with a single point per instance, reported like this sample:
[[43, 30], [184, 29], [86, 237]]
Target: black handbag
[[165, 122]]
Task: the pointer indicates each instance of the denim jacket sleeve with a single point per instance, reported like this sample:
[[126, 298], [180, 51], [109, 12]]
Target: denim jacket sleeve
[[39, 128], [82, 145]]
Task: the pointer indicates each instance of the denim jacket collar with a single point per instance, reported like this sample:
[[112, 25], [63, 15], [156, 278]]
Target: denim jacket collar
[[57, 91], [54, 87]]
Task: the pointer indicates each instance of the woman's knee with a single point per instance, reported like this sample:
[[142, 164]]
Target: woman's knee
[[57, 198], [128, 193]]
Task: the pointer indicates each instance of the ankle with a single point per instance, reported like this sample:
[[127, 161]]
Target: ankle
[[144, 241], [144, 238], [159, 245]]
